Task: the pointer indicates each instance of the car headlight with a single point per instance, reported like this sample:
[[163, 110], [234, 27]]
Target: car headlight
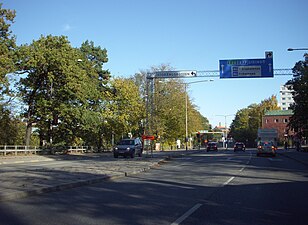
[[128, 149], [115, 148]]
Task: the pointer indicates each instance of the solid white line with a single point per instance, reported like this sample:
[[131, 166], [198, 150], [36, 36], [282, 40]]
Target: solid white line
[[187, 214], [228, 181]]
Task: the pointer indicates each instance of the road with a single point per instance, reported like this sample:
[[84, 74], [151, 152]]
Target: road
[[202, 188]]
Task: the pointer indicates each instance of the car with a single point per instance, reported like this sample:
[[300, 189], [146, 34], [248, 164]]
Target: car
[[266, 148], [239, 146], [128, 147], [212, 146]]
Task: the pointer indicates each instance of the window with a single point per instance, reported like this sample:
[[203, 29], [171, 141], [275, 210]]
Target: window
[[276, 120], [266, 121], [285, 120]]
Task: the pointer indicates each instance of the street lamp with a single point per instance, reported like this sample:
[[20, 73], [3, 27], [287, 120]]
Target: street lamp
[[300, 49], [297, 49], [186, 108], [225, 145]]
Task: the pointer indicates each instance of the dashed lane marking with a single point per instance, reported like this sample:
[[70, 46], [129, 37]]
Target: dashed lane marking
[[187, 214]]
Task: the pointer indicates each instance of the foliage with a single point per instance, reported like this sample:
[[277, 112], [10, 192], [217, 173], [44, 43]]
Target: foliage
[[126, 108], [11, 129], [299, 84], [247, 121], [165, 100], [61, 89], [7, 48]]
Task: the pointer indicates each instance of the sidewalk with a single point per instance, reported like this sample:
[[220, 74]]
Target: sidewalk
[[22, 176]]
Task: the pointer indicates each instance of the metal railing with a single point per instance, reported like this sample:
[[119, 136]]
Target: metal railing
[[16, 149]]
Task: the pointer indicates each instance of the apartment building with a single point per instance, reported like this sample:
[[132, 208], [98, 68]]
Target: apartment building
[[286, 98]]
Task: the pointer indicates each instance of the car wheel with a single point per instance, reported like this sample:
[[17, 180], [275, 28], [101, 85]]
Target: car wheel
[[132, 155], [140, 154], [116, 155]]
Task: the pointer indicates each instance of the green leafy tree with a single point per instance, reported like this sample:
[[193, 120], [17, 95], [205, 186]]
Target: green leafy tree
[[299, 84], [166, 107], [59, 90], [7, 48], [125, 109], [247, 121]]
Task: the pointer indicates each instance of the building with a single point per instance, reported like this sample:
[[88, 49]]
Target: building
[[278, 119], [286, 97]]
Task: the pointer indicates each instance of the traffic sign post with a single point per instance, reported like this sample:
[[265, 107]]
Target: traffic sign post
[[247, 68], [173, 74]]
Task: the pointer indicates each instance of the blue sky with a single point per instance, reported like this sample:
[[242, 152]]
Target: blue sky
[[188, 35]]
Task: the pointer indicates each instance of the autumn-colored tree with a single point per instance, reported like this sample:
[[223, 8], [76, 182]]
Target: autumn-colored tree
[[247, 120]]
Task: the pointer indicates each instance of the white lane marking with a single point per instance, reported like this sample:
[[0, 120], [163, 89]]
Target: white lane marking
[[241, 170], [187, 214], [228, 181]]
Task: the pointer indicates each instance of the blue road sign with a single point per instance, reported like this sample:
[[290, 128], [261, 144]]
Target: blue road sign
[[247, 68]]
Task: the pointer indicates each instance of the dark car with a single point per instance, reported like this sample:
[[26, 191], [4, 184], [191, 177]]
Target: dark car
[[128, 147], [239, 146], [266, 148], [212, 146]]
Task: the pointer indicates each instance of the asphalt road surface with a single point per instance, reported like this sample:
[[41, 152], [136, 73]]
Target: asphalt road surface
[[203, 188]]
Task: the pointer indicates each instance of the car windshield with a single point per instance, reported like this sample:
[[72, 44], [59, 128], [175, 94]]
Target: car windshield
[[266, 144], [126, 142]]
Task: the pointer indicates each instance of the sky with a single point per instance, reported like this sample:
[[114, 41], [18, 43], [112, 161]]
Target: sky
[[186, 34]]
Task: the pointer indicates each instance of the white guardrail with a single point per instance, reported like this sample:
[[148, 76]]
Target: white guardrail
[[15, 149]]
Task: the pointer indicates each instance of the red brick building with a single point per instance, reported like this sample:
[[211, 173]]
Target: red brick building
[[278, 119]]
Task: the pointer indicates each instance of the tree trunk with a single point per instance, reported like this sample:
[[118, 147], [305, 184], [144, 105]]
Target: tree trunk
[[28, 134]]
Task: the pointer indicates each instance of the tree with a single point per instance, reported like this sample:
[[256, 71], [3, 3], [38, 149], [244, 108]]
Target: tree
[[165, 101], [247, 121], [7, 48], [299, 85], [60, 89], [125, 109]]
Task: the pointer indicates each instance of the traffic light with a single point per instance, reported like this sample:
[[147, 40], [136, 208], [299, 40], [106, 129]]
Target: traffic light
[[198, 137]]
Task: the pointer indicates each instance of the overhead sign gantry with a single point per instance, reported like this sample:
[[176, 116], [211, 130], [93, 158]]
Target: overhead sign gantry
[[173, 74], [247, 68]]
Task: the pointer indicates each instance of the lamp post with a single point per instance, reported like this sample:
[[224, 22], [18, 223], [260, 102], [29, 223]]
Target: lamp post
[[297, 49], [300, 49], [186, 108], [226, 133]]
